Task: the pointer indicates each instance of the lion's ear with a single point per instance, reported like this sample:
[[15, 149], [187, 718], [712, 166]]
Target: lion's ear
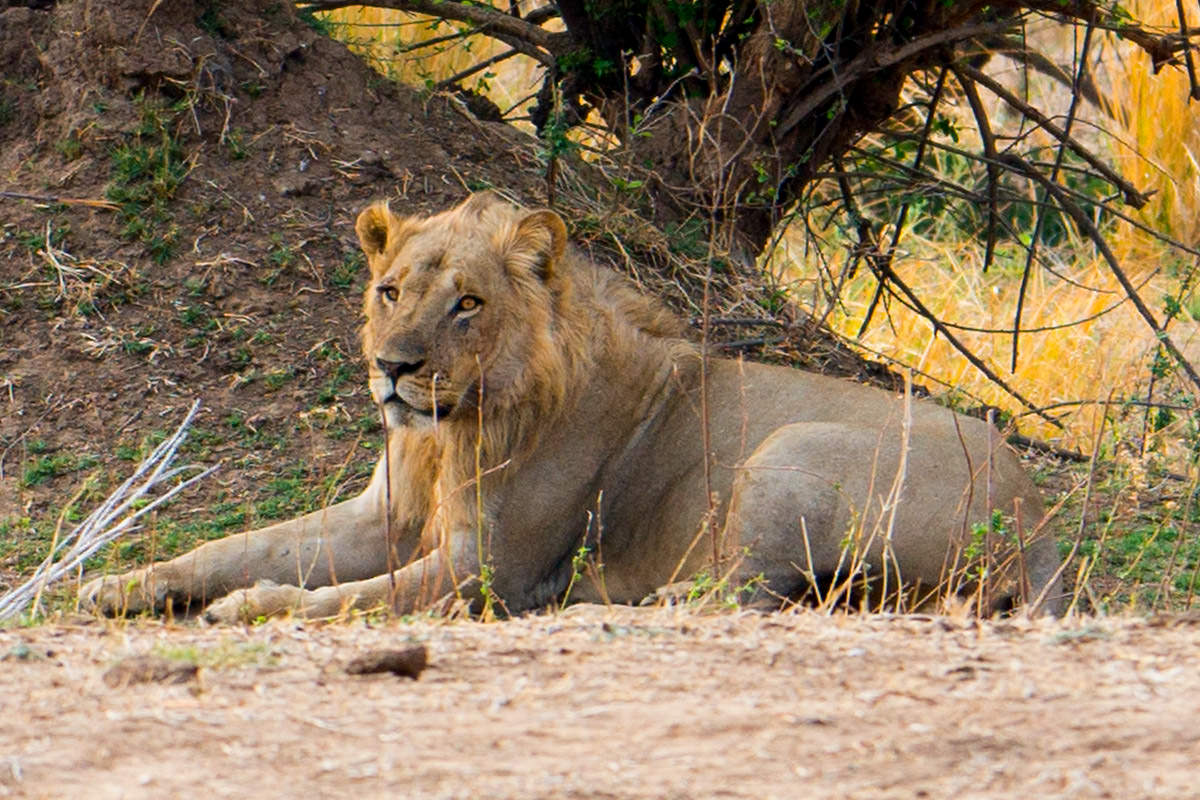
[[539, 242], [379, 230], [372, 228]]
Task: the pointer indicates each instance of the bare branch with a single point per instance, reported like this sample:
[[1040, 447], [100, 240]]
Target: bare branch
[[873, 61], [1080, 71], [984, 126], [885, 274], [1187, 51], [1018, 51], [1086, 225], [469, 71], [514, 31], [1133, 196], [111, 519], [922, 144]]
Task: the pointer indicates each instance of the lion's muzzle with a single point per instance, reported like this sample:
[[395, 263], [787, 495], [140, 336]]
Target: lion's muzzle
[[395, 369], [404, 397]]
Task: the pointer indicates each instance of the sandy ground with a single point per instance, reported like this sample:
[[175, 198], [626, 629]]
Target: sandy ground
[[611, 703]]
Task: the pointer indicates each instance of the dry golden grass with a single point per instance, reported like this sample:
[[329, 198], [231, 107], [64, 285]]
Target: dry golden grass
[[1160, 125], [1153, 135]]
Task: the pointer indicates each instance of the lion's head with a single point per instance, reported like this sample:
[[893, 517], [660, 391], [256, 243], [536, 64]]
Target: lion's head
[[464, 307]]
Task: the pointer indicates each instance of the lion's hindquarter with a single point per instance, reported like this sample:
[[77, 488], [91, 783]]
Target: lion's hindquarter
[[802, 464]]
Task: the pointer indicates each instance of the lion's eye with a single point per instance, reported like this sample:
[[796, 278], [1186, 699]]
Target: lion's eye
[[467, 303], [389, 293]]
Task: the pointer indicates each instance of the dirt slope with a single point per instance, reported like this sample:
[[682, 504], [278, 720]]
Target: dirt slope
[[223, 151], [621, 703]]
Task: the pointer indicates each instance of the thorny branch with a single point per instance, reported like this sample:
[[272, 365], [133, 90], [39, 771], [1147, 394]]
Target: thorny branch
[[886, 276], [1085, 224]]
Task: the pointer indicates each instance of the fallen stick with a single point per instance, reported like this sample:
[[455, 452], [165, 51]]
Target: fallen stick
[[110, 520]]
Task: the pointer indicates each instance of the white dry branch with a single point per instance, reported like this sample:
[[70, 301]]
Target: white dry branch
[[111, 519]]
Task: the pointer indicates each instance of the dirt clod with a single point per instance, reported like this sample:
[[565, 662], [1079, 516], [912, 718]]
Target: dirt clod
[[407, 663]]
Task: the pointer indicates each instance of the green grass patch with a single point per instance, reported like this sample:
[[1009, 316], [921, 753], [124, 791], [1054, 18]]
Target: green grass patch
[[223, 655], [148, 167], [46, 467]]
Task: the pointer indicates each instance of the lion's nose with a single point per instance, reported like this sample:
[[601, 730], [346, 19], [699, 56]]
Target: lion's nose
[[394, 369]]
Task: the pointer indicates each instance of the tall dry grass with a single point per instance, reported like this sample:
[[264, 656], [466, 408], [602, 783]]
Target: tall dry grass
[[1159, 126], [1093, 346]]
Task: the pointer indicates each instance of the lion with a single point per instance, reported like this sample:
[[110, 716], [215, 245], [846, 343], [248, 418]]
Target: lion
[[541, 414]]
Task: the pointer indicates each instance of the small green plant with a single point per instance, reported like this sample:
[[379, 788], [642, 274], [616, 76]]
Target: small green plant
[[211, 22], [46, 467], [277, 378], [223, 655], [280, 256], [35, 241], [345, 273], [70, 147], [578, 562], [147, 168], [241, 357], [344, 373], [318, 23], [235, 144], [197, 317]]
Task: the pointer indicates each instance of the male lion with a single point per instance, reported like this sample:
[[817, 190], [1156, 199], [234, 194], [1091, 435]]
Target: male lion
[[535, 403]]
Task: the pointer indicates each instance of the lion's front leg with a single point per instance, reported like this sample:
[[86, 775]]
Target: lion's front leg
[[413, 588], [270, 599], [341, 542], [132, 593]]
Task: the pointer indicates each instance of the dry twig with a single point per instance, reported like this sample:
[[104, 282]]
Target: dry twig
[[110, 520]]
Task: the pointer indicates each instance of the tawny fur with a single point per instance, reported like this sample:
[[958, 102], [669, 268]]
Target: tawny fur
[[535, 402]]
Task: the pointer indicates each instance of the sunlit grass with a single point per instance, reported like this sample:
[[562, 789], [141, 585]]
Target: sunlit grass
[[1160, 125], [1099, 358]]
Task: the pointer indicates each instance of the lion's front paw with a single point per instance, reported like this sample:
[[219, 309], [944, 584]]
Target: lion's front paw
[[131, 593], [263, 599]]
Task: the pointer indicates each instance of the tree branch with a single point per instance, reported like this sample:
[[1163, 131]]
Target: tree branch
[[1081, 70], [469, 71], [984, 126], [902, 218], [1088, 227], [885, 274], [538, 43], [1133, 197], [873, 61]]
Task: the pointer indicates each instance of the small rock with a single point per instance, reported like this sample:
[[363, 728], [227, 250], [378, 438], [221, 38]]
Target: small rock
[[295, 185], [407, 663]]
